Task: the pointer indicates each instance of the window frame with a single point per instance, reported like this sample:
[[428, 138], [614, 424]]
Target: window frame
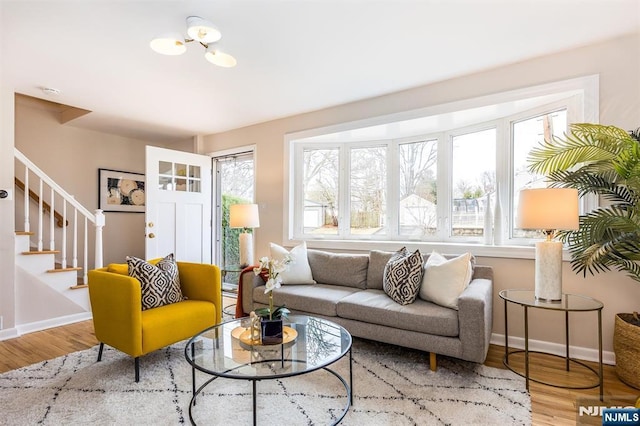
[[580, 96]]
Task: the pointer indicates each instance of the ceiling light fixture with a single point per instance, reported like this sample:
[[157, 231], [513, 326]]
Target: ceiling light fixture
[[198, 30]]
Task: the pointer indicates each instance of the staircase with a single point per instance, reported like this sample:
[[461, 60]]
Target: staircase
[[49, 289]]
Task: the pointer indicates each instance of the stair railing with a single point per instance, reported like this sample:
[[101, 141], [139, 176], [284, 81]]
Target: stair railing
[[97, 218]]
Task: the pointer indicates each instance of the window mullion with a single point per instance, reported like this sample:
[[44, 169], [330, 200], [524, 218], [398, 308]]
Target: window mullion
[[344, 216], [444, 186], [393, 189]]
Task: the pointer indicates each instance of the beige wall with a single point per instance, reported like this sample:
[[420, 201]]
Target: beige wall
[[71, 156], [617, 63]]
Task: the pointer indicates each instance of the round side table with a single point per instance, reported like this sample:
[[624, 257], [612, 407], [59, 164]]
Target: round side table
[[568, 303]]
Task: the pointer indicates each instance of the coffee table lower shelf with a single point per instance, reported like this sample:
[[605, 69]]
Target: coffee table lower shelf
[[347, 388]]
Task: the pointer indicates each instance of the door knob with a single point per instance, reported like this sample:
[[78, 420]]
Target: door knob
[[152, 235]]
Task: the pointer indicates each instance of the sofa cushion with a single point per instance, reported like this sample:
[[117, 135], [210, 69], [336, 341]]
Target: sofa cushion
[[160, 283], [375, 307], [318, 299], [298, 270], [343, 269], [444, 280], [402, 276], [377, 261]]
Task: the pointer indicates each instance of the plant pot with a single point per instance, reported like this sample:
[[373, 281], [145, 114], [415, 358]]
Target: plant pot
[[271, 331], [626, 345]]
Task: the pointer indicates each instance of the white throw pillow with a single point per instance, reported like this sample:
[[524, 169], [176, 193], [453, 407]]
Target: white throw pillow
[[299, 271], [444, 280]]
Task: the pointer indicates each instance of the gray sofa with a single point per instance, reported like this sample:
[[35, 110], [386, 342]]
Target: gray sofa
[[349, 292]]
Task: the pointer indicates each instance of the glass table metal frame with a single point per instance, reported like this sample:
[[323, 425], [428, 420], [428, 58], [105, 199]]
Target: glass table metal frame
[[568, 303], [218, 352]]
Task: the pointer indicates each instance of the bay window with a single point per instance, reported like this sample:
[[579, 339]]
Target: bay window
[[426, 178]]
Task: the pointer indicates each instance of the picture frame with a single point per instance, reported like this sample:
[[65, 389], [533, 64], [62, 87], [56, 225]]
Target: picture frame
[[120, 191]]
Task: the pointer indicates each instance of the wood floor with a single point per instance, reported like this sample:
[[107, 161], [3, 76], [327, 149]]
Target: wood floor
[[550, 405]]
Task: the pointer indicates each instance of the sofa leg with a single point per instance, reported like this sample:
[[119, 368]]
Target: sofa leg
[[432, 361], [137, 366], [100, 351]]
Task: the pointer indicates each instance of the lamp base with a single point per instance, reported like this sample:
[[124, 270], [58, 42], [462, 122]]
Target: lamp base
[[548, 281], [246, 249]]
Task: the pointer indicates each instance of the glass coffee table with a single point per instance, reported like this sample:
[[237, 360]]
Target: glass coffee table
[[310, 344]]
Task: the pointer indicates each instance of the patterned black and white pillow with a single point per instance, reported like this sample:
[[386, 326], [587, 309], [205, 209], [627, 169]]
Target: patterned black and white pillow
[[160, 283], [402, 276]]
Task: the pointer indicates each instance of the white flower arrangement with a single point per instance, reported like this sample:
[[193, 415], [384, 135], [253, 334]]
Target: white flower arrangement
[[273, 268]]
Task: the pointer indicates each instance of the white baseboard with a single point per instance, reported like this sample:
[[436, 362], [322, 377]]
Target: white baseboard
[[50, 323], [577, 352], [8, 333]]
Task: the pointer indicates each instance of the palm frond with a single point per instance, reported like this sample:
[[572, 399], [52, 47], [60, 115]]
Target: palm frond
[[584, 143], [586, 182]]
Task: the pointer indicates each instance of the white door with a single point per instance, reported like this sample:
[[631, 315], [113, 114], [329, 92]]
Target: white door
[[178, 205]]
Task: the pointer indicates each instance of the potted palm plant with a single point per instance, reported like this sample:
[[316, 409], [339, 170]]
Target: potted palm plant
[[602, 160]]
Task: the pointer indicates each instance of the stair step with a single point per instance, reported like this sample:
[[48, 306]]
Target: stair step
[[64, 269], [25, 233], [41, 252]]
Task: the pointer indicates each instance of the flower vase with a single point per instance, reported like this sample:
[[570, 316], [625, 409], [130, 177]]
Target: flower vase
[[487, 231], [271, 331], [497, 220]]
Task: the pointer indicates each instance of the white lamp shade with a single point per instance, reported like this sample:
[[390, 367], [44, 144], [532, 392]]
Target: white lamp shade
[[548, 209], [244, 216], [169, 44], [219, 58], [202, 30]]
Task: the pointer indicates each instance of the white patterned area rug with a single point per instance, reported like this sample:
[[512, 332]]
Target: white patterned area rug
[[392, 386]]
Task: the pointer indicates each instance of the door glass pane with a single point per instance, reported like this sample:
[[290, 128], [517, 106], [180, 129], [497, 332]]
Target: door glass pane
[[320, 187], [180, 169], [418, 196], [473, 177], [194, 171], [194, 186], [165, 168], [367, 188], [165, 183], [526, 135], [236, 186]]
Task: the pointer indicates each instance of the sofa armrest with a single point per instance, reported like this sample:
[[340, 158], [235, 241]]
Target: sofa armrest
[[475, 317], [117, 310], [201, 281], [249, 282]]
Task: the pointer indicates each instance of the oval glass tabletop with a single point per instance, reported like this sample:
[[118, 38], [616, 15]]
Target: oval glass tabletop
[[569, 302], [223, 351]]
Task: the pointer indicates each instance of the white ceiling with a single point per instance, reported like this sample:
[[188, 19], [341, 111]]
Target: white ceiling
[[293, 56]]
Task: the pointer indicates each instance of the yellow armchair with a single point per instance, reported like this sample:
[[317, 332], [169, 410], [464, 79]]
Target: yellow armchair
[[120, 322]]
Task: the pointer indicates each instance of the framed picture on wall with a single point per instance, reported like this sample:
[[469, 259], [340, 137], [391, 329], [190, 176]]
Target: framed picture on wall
[[120, 191]]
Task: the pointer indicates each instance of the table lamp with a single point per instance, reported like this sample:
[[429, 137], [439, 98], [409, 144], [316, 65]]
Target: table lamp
[[244, 216], [548, 210]]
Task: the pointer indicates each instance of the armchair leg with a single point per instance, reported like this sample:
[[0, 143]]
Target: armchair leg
[[100, 351], [137, 365], [432, 361]]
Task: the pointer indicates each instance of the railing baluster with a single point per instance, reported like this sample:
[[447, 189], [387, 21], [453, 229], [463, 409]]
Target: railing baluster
[[75, 238], [85, 250], [99, 226], [26, 199], [39, 217], [64, 234], [52, 223]]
